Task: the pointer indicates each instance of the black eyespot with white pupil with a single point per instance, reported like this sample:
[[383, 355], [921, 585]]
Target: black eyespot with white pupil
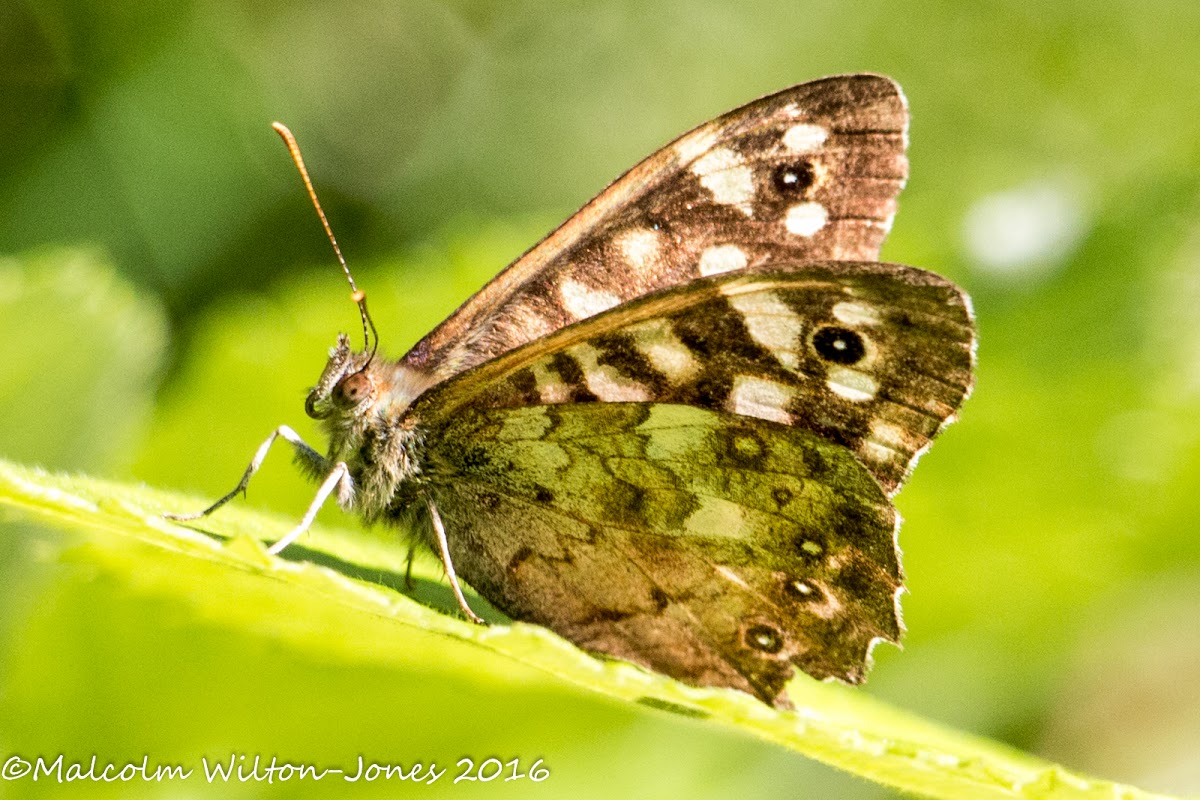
[[801, 589], [839, 345], [764, 638], [352, 389], [793, 179]]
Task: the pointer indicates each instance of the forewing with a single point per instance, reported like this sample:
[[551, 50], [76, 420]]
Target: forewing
[[717, 549], [809, 173], [873, 357]]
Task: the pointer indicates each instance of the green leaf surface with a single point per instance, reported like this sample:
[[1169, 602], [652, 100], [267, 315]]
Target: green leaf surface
[[337, 598]]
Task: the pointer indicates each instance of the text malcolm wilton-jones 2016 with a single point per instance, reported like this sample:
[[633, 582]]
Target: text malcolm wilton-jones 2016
[[241, 768]]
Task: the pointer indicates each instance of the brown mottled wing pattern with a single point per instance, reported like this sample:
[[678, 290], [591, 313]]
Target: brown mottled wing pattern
[[720, 550], [876, 358], [809, 173], [670, 431]]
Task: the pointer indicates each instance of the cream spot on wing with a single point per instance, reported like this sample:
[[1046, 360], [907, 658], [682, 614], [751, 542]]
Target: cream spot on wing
[[722, 258], [874, 451], [828, 609], [886, 443], [724, 173], [888, 435], [813, 549], [718, 160], [639, 246], [761, 398], [772, 324], [805, 219], [695, 144], [606, 382], [803, 137], [665, 352], [851, 384], [716, 517], [855, 314], [550, 386], [582, 301]]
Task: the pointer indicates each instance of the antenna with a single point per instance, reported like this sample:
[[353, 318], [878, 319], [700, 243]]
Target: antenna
[[357, 295]]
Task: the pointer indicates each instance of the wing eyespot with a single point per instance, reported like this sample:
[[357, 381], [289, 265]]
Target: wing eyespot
[[839, 345], [764, 638], [803, 590], [793, 179], [782, 496]]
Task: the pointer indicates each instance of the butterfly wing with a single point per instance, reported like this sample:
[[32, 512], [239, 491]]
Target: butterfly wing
[[809, 173], [721, 550], [876, 358], [670, 430]]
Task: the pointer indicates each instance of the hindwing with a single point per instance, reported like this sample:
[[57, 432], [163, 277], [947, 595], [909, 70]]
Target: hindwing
[[809, 173], [718, 549]]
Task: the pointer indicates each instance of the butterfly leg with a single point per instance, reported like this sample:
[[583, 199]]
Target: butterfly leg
[[408, 584], [444, 551], [338, 479], [311, 459]]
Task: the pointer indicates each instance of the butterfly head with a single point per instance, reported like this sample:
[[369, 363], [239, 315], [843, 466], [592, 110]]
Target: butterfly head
[[361, 401], [348, 385]]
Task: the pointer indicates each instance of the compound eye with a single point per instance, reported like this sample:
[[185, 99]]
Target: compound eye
[[352, 389]]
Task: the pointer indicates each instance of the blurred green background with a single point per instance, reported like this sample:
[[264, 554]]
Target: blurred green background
[[166, 297]]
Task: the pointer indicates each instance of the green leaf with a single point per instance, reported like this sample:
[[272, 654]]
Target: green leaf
[[79, 356], [338, 598]]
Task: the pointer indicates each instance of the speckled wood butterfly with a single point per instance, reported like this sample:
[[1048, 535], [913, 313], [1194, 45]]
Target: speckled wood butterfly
[[670, 431]]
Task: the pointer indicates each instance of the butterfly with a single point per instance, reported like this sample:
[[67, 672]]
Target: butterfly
[[671, 430]]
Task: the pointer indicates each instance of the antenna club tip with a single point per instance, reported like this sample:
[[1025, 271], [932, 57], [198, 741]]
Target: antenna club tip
[[358, 295]]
